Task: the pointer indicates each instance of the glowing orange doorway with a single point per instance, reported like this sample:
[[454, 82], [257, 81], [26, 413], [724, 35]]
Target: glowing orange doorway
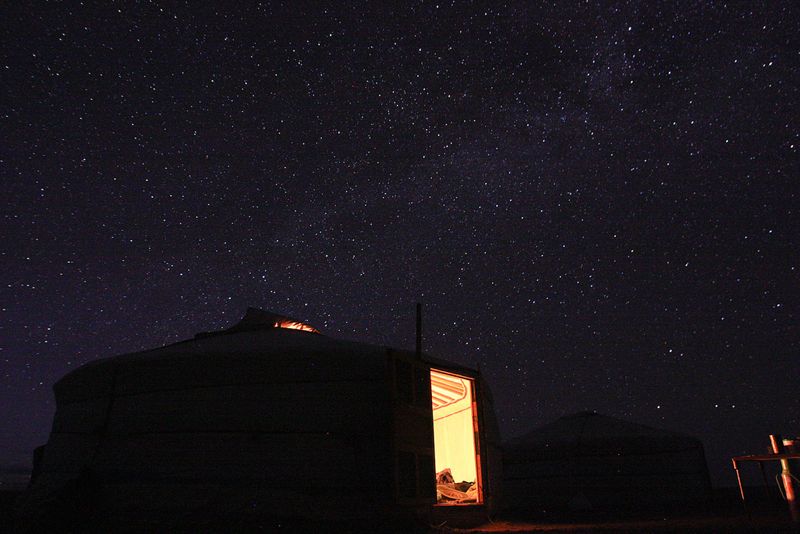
[[455, 432]]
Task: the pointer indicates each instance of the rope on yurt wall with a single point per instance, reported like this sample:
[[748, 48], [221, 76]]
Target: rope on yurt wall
[[103, 429], [779, 482]]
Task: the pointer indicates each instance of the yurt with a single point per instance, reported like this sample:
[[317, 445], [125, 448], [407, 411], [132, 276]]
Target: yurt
[[589, 461], [268, 423]]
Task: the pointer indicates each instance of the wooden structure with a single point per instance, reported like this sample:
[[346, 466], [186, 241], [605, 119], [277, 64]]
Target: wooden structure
[[760, 459], [268, 419], [786, 480]]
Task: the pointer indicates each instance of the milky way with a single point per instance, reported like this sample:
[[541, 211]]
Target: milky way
[[596, 203]]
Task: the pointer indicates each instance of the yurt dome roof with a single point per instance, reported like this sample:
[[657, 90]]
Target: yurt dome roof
[[257, 319], [259, 332]]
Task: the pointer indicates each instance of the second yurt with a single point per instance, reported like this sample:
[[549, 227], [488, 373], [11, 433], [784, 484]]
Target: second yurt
[[589, 461]]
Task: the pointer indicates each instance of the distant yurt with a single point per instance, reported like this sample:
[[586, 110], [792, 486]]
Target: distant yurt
[[266, 422], [589, 461]]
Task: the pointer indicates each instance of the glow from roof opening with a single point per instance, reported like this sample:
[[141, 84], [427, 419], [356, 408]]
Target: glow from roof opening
[[294, 325]]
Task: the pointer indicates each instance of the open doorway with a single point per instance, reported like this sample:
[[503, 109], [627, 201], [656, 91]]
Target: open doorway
[[455, 431]]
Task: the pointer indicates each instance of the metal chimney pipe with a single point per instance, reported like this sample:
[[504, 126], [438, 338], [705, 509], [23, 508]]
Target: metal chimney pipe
[[419, 329]]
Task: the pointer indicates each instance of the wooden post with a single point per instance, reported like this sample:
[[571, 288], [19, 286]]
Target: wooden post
[[786, 475], [739, 480], [741, 488]]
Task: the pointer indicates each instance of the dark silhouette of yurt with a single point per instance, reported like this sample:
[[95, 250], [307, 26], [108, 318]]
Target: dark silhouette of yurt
[[265, 423], [589, 461]]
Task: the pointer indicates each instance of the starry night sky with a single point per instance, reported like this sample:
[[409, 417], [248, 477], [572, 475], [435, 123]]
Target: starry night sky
[[596, 202]]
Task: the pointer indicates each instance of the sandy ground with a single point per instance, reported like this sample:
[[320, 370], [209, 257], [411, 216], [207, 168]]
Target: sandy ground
[[698, 524], [725, 515], [723, 511], [719, 516]]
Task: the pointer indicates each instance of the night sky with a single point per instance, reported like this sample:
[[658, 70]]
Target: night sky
[[596, 202]]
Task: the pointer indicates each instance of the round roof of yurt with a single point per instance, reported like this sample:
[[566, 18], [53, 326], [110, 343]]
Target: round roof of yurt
[[588, 460], [267, 417]]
